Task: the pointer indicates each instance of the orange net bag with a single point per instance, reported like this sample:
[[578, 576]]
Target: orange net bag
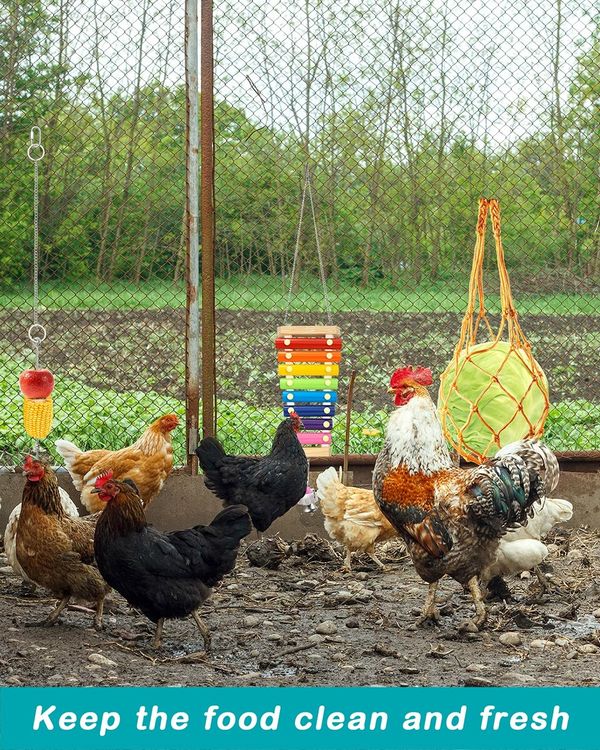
[[494, 392]]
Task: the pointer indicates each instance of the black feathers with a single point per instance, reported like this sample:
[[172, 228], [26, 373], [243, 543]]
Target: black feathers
[[503, 491], [268, 486], [168, 575]]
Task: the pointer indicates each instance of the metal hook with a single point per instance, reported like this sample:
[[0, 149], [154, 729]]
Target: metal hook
[[35, 142], [37, 333]]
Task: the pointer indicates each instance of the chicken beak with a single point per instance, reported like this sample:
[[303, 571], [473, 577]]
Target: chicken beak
[[391, 390], [96, 491]]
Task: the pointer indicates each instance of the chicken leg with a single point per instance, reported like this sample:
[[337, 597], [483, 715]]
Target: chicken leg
[[99, 613], [430, 612], [376, 560], [156, 641], [480, 610], [203, 628], [347, 566], [53, 616]]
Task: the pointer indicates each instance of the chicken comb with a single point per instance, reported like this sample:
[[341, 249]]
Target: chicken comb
[[28, 463], [103, 478], [420, 375]]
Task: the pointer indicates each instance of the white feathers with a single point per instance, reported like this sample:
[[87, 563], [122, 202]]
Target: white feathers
[[514, 557], [546, 514], [522, 549], [414, 438], [328, 486], [10, 533], [325, 480]]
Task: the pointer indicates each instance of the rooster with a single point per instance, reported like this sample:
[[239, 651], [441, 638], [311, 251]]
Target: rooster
[[148, 462], [53, 549], [352, 517], [267, 486], [163, 575], [452, 519]]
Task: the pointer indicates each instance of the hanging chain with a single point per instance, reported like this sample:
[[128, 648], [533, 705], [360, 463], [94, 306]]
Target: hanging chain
[[35, 153], [36, 332], [307, 188]]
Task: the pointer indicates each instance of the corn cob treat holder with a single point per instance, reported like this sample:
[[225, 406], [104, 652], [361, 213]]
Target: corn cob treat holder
[[37, 417], [308, 365]]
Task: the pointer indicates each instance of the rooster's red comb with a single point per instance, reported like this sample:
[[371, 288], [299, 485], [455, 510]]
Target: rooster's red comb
[[103, 478], [420, 375], [28, 463]]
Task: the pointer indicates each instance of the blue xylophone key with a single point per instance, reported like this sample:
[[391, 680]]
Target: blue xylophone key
[[308, 397]]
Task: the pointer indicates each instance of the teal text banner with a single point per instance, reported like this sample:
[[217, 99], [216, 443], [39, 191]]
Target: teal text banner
[[299, 718]]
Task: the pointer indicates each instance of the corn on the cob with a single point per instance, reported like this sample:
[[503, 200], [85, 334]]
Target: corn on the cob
[[37, 417]]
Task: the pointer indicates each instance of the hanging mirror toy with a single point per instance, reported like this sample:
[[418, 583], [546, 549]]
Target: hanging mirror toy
[[36, 384]]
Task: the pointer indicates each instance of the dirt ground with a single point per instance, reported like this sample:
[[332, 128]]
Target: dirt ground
[[308, 623]]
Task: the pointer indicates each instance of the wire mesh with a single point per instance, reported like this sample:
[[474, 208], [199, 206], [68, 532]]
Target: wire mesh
[[104, 80], [406, 113]]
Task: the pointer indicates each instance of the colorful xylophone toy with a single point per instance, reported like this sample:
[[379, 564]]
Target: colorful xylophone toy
[[308, 360]]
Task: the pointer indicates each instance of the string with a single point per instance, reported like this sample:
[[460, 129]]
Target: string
[[307, 188]]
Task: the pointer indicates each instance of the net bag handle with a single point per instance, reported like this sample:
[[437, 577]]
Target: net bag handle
[[476, 312]]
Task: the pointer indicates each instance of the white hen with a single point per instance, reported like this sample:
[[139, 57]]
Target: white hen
[[10, 533], [522, 549]]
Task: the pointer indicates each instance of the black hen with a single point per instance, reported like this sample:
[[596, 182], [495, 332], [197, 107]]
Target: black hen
[[268, 486], [163, 575]]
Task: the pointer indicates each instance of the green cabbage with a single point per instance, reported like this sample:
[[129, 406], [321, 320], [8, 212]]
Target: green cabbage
[[475, 386]]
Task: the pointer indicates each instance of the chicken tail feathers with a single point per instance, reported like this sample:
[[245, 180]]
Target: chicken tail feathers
[[538, 458], [210, 456], [212, 550], [503, 492], [328, 487]]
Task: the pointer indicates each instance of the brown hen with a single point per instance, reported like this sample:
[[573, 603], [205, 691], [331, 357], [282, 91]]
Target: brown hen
[[53, 549]]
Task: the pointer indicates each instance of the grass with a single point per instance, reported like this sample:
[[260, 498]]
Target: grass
[[94, 418], [267, 293]]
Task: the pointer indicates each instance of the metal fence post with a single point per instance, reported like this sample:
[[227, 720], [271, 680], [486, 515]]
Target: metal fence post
[[192, 326], [208, 219]]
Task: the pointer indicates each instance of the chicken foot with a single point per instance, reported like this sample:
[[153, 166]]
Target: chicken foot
[[203, 628], [430, 612], [52, 618], [347, 566]]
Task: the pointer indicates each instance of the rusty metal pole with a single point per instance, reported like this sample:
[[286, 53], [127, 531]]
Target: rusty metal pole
[[207, 211], [192, 270]]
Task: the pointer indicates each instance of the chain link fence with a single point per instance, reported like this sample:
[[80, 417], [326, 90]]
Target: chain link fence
[[406, 113], [104, 80]]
